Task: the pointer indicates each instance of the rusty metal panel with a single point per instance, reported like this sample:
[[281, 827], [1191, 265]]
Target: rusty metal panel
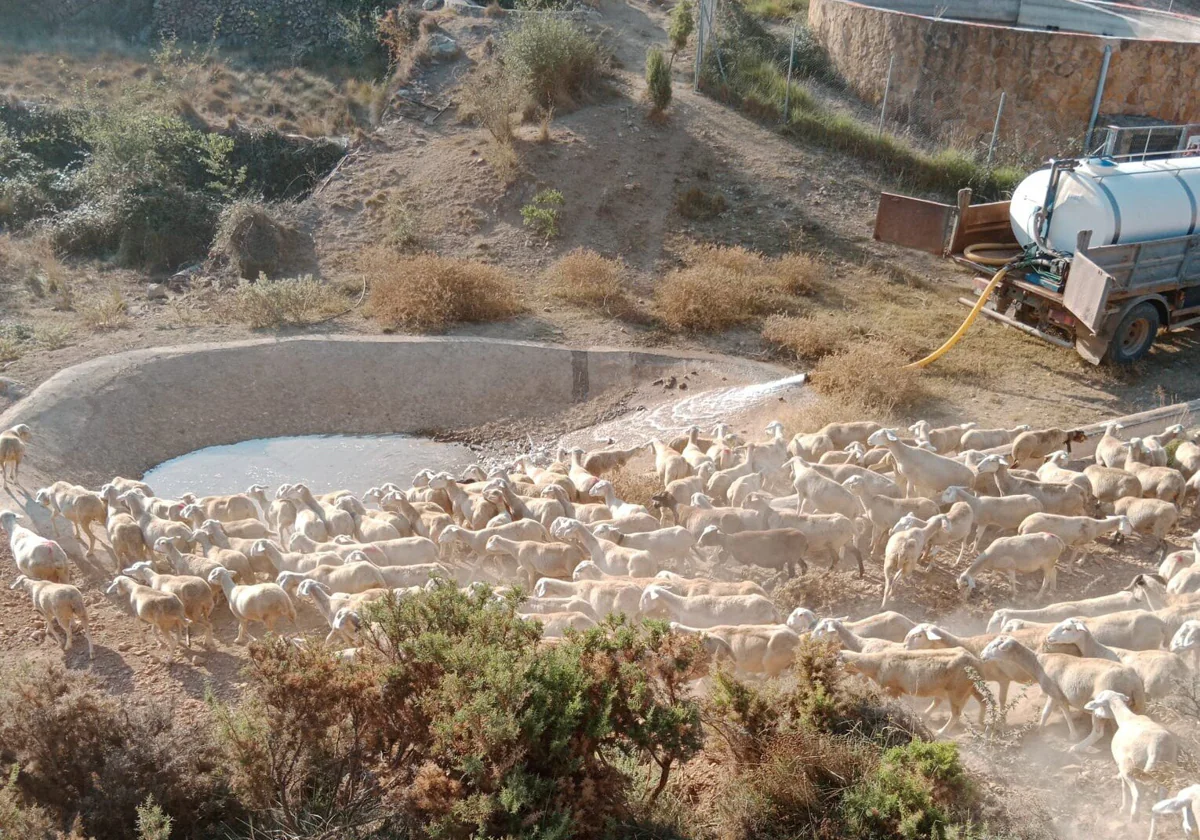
[[1087, 289], [980, 224], [913, 222]]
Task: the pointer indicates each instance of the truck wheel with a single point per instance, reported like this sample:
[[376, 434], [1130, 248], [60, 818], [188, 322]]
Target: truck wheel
[[1135, 334]]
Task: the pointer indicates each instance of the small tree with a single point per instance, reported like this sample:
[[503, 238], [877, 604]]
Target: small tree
[[658, 80], [680, 28]]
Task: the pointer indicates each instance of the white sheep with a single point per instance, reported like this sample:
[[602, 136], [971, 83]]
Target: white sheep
[[983, 439], [1074, 531], [1157, 482], [1111, 483], [667, 544], [1162, 672], [889, 625], [937, 674], [707, 610], [884, 512], [832, 629], [12, 450], [903, 550], [1067, 681], [35, 556], [820, 494], [1139, 746], [924, 473], [194, 592], [703, 586], [1152, 517], [262, 602], [1037, 552], [163, 611], [1111, 451], [58, 603], [1186, 802], [945, 440], [1062, 499], [766, 649], [606, 596], [78, 505]]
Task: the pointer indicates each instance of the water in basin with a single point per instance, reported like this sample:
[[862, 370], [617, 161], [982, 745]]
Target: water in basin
[[323, 462]]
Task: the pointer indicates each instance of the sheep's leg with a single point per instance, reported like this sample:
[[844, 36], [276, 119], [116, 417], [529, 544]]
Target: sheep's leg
[[87, 634], [52, 632], [962, 549], [1012, 581], [243, 636], [979, 535], [1002, 698], [1046, 712], [1135, 796], [956, 705], [933, 705], [858, 558]]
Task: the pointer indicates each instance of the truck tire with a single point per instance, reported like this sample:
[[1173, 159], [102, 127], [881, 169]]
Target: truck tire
[[1135, 334]]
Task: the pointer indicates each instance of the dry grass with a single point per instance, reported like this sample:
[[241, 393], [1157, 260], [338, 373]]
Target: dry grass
[[53, 336], [872, 375], [275, 303], [219, 87], [428, 292], [104, 311], [10, 349], [699, 205], [504, 160], [633, 486], [724, 287], [586, 279], [812, 337], [798, 274]]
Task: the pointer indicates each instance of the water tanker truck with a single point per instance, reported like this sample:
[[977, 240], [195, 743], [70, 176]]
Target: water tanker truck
[[1099, 254]]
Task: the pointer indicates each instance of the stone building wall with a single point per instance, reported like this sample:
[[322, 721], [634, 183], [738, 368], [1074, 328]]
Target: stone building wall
[[948, 75]]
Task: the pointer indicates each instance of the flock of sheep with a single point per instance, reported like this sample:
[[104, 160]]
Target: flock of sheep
[[561, 532]]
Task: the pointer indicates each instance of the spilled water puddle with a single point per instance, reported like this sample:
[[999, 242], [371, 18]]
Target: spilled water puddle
[[323, 462]]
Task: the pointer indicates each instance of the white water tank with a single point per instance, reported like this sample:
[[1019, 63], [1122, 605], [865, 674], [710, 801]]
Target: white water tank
[[1118, 202]]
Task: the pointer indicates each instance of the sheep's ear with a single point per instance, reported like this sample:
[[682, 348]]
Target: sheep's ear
[[933, 634], [891, 435]]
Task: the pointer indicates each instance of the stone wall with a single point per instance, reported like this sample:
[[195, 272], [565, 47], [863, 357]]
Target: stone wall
[[948, 75]]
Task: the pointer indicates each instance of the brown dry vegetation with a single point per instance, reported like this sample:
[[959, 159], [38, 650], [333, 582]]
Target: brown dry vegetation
[[722, 287], [428, 292], [584, 278], [634, 486]]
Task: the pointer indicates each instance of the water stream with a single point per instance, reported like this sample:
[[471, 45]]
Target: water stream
[[705, 410], [323, 462]]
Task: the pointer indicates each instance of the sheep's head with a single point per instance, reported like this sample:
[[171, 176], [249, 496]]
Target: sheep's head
[[22, 431], [450, 535], [1124, 525], [700, 500], [8, 519], [990, 464], [137, 569], [42, 497], [192, 512], [343, 539], [1067, 632], [802, 620], [924, 636], [600, 489], [19, 582], [909, 520], [920, 428], [1012, 625], [661, 499], [653, 602], [493, 546], [705, 471], [711, 535], [1076, 436], [357, 556], [287, 580], [608, 533], [998, 648], [587, 570], [775, 428], [856, 484], [827, 628], [882, 437], [1180, 804], [120, 582], [1187, 637], [1101, 704], [966, 584], [1059, 458]]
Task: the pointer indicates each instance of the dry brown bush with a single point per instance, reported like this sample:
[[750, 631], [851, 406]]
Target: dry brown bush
[[798, 274], [586, 279], [104, 311], [697, 204], [811, 337], [275, 303], [871, 375], [634, 486], [429, 292], [722, 287]]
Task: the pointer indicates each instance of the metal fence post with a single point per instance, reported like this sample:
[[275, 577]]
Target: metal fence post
[[887, 88], [995, 130], [699, 43], [1087, 140], [787, 92]]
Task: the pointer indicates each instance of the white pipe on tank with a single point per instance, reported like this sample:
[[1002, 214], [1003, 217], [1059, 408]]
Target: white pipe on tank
[[1119, 202]]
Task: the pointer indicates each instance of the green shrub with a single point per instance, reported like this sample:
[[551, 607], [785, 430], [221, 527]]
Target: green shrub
[[680, 27], [557, 61], [695, 203], [457, 722], [278, 167], [658, 80], [160, 227], [541, 214]]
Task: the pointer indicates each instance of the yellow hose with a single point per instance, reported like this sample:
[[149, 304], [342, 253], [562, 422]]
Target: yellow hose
[[971, 252], [966, 325]]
